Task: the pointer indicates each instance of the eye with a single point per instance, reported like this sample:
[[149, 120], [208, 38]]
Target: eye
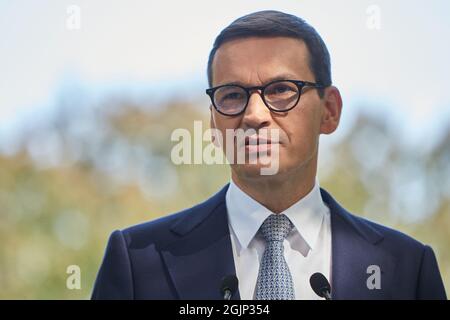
[[280, 89], [232, 96]]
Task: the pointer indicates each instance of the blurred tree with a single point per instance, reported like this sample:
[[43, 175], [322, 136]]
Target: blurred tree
[[95, 168]]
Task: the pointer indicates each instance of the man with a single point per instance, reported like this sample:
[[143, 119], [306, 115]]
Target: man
[[268, 70]]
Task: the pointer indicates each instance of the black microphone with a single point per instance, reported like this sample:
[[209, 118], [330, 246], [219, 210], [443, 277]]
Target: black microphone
[[229, 286], [320, 285]]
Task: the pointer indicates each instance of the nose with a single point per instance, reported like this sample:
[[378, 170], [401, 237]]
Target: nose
[[256, 115]]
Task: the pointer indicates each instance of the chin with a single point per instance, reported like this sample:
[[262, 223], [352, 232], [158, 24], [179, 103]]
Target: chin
[[248, 170], [257, 170]]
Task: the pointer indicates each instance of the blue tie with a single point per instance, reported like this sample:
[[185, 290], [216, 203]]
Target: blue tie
[[274, 278]]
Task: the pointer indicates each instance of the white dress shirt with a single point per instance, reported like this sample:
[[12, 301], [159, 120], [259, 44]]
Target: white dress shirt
[[307, 248]]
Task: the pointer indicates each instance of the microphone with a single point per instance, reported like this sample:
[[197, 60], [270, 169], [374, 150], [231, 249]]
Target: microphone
[[229, 286], [320, 285]]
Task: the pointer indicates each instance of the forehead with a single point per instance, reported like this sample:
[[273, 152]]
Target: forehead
[[256, 60]]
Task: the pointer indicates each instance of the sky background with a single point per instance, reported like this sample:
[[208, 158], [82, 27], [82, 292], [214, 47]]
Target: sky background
[[105, 176], [161, 48]]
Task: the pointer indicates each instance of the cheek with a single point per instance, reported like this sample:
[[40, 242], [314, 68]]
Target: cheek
[[302, 132], [223, 123]]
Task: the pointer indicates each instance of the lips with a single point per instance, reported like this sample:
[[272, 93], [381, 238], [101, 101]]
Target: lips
[[261, 139], [255, 140], [257, 144]]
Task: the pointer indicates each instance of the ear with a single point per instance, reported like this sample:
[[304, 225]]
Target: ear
[[331, 111]]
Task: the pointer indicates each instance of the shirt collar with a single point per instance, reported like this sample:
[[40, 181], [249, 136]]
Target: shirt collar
[[246, 215]]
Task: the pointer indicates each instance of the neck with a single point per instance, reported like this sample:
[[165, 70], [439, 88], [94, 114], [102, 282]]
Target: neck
[[279, 192]]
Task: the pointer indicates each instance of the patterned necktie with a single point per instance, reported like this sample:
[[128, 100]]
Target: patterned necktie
[[274, 278]]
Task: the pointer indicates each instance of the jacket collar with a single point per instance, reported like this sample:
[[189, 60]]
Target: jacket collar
[[356, 250], [202, 254]]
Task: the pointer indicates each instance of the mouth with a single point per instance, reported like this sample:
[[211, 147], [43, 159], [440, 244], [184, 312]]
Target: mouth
[[255, 144], [256, 141]]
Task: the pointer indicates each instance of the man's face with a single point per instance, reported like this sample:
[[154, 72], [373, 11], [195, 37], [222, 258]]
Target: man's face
[[255, 62]]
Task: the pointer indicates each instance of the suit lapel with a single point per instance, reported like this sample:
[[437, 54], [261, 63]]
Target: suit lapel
[[355, 248], [202, 255]]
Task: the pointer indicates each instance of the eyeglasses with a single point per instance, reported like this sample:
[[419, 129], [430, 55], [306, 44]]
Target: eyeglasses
[[278, 96]]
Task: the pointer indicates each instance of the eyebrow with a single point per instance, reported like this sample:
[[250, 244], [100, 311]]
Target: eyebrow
[[284, 76]]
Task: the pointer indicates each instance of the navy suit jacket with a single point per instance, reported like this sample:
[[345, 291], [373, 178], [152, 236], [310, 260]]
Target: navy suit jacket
[[187, 254]]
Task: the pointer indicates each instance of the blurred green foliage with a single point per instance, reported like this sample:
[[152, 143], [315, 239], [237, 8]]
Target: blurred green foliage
[[91, 169]]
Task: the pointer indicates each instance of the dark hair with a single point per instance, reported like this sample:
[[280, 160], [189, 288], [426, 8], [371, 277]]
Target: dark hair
[[271, 23]]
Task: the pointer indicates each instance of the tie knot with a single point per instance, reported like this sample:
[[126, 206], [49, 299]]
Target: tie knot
[[276, 227]]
